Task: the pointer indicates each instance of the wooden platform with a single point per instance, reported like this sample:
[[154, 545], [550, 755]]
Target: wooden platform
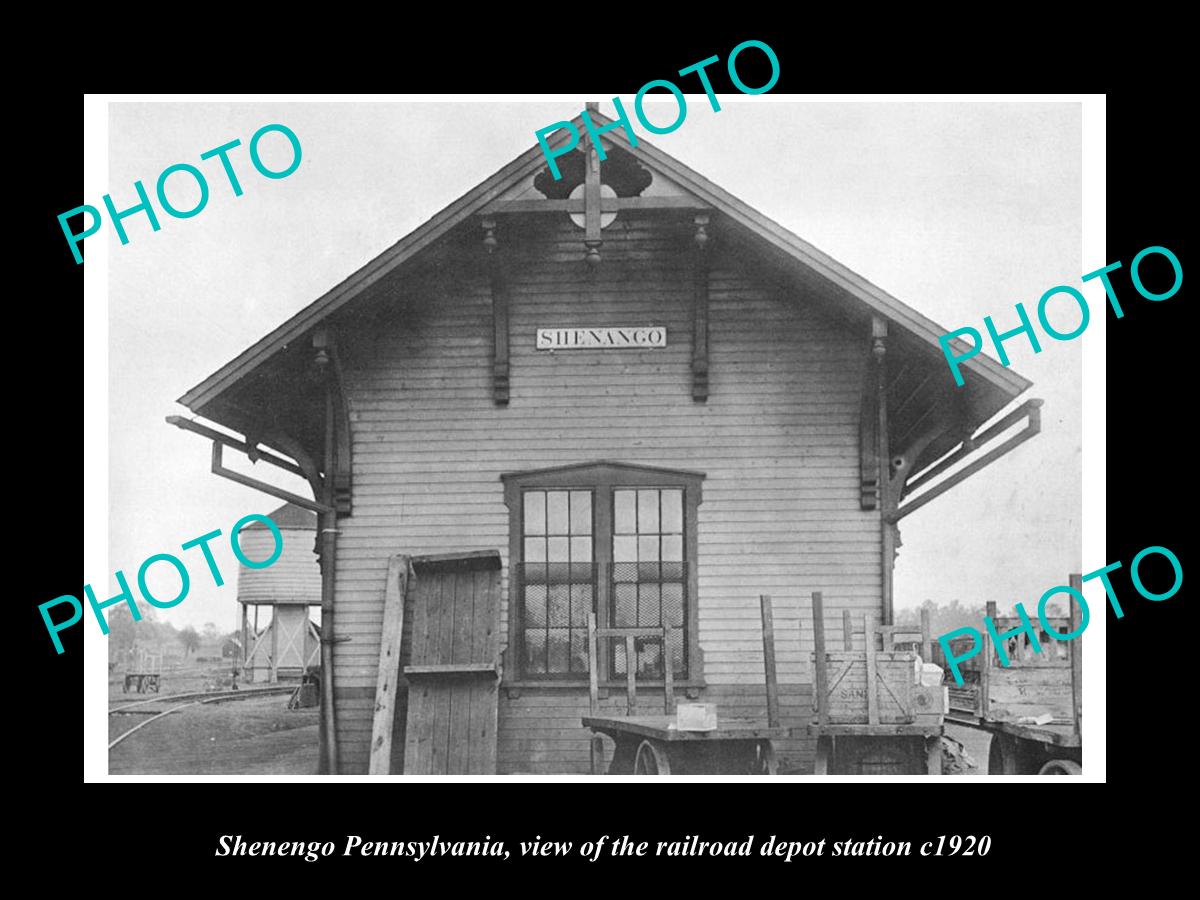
[[1057, 734], [661, 728], [932, 729]]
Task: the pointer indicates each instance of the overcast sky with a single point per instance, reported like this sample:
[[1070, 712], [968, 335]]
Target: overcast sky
[[959, 210]]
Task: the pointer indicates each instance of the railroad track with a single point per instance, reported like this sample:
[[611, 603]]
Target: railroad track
[[186, 701]]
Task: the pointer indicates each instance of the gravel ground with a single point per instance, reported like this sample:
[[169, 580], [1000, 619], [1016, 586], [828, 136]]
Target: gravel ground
[[242, 737]]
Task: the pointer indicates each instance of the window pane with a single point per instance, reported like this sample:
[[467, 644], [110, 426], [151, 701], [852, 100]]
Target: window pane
[[581, 512], [535, 550], [672, 605], [581, 604], [579, 653], [560, 605], [649, 571], [677, 651], [672, 512], [624, 549], [581, 549], [648, 549], [535, 606], [624, 517], [618, 667], [535, 512], [650, 660], [556, 512], [648, 604], [535, 652], [557, 549], [647, 512], [672, 548], [625, 605], [560, 649]]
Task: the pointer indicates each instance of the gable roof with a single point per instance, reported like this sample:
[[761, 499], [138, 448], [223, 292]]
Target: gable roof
[[877, 300], [288, 516]]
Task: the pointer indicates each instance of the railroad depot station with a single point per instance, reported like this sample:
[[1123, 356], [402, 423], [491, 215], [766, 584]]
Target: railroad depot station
[[585, 455]]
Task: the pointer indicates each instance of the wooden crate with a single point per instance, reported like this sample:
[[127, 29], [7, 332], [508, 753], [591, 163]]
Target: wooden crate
[[877, 684], [848, 703]]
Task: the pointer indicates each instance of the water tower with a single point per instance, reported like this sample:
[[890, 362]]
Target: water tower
[[289, 643]]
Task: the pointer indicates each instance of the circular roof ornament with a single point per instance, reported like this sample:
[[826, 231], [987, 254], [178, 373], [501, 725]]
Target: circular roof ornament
[[606, 193]]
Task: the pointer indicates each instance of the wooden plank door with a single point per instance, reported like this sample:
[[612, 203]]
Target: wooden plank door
[[453, 666]]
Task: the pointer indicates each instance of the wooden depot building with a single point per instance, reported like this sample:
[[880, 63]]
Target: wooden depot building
[[632, 396]]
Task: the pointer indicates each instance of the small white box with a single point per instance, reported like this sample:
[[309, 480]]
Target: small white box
[[696, 717]]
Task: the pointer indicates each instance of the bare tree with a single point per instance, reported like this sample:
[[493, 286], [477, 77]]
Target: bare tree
[[190, 640]]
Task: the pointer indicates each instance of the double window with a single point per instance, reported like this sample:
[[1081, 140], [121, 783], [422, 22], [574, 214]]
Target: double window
[[611, 539]]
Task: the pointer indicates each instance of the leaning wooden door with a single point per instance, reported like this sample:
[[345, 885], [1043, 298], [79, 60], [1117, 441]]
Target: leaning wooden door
[[452, 671]]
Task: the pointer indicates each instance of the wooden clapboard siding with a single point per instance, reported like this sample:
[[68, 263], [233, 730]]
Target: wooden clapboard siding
[[777, 439], [293, 578]]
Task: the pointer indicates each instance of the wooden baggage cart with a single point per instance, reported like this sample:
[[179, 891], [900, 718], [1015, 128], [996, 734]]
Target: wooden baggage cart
[[145, 671], [653, 744], [1002, 700], [142, 682], [872, 717]]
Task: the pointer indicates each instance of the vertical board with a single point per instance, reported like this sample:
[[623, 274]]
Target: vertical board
[[484, 692], [387, 688], [417, 753]]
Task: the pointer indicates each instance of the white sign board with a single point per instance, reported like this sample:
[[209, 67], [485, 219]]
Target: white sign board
[[601, 338]]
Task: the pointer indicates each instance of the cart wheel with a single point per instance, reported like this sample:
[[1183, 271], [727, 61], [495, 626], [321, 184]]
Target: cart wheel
[[824, 752], [1002, 756], [1061, 767], [651, 760], [764, 759]]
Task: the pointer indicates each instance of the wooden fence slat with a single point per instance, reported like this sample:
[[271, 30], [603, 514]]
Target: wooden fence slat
[[822, 672], [1076, 651], [386, 688], [872, 687], [668, 672], [630, 673], [768, 636]]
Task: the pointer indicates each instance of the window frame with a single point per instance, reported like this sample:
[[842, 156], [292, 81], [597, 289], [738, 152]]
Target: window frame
[[602, 478]]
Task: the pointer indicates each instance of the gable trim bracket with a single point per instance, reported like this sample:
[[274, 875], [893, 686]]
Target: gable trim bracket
[[498, 289], [339, 468], [1030, 410], [872, 422], [255, 453], [700, 300]]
